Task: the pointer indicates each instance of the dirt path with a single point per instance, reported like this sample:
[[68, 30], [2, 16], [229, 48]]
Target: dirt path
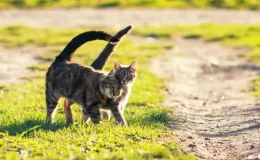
[[123, 17], [14, 63], [214, 118]]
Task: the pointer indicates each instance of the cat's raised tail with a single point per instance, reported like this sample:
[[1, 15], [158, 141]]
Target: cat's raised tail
[[101, 60], [82, 38]]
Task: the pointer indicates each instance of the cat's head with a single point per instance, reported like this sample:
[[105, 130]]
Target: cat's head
[[125, 75], [110, 86]]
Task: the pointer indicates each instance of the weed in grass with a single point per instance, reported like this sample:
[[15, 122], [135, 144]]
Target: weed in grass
[[254, 87]]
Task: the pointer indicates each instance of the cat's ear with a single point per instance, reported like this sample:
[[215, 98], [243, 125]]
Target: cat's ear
[[133, 66], [117, 65]]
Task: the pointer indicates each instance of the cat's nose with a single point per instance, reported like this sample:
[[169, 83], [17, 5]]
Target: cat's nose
[[124, 81]]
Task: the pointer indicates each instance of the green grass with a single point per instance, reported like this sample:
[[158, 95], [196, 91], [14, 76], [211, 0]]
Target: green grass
[[254, 87], [234, 4], [230, 35], [25, 135]]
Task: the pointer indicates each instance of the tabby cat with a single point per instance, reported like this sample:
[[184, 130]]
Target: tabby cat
[[86, 86], [125, 76]]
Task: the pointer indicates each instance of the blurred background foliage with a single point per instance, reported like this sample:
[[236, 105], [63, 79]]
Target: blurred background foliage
[[231, 4]]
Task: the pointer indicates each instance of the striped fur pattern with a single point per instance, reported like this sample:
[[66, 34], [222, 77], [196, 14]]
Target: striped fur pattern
[[86, 86], [82, 85], [125, 76]]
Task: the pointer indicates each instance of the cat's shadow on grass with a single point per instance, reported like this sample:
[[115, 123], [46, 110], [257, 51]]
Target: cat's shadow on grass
[[29, 126], [156, 119]]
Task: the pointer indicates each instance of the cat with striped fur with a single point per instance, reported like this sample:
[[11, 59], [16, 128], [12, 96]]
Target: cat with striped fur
[[125, 76], [90, 88]]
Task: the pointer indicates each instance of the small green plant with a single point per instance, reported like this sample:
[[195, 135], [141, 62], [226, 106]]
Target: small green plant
[[254, 87]]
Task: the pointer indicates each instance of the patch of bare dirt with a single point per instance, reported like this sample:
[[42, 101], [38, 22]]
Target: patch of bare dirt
[[214, 118], [111, 17], [14, 62]]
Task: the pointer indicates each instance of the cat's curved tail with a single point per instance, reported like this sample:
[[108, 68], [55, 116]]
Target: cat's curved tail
[[82, 38], [101, 60]]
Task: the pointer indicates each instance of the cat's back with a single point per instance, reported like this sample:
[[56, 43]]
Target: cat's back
[[71, 80], [62, 74], [68, 68]]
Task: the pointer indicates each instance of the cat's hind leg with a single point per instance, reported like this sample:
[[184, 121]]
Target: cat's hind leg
[[67, 111], [51, 102]]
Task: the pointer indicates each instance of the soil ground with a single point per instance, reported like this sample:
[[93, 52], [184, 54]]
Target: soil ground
[[122, 17], [14, 63], [214, 119]]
